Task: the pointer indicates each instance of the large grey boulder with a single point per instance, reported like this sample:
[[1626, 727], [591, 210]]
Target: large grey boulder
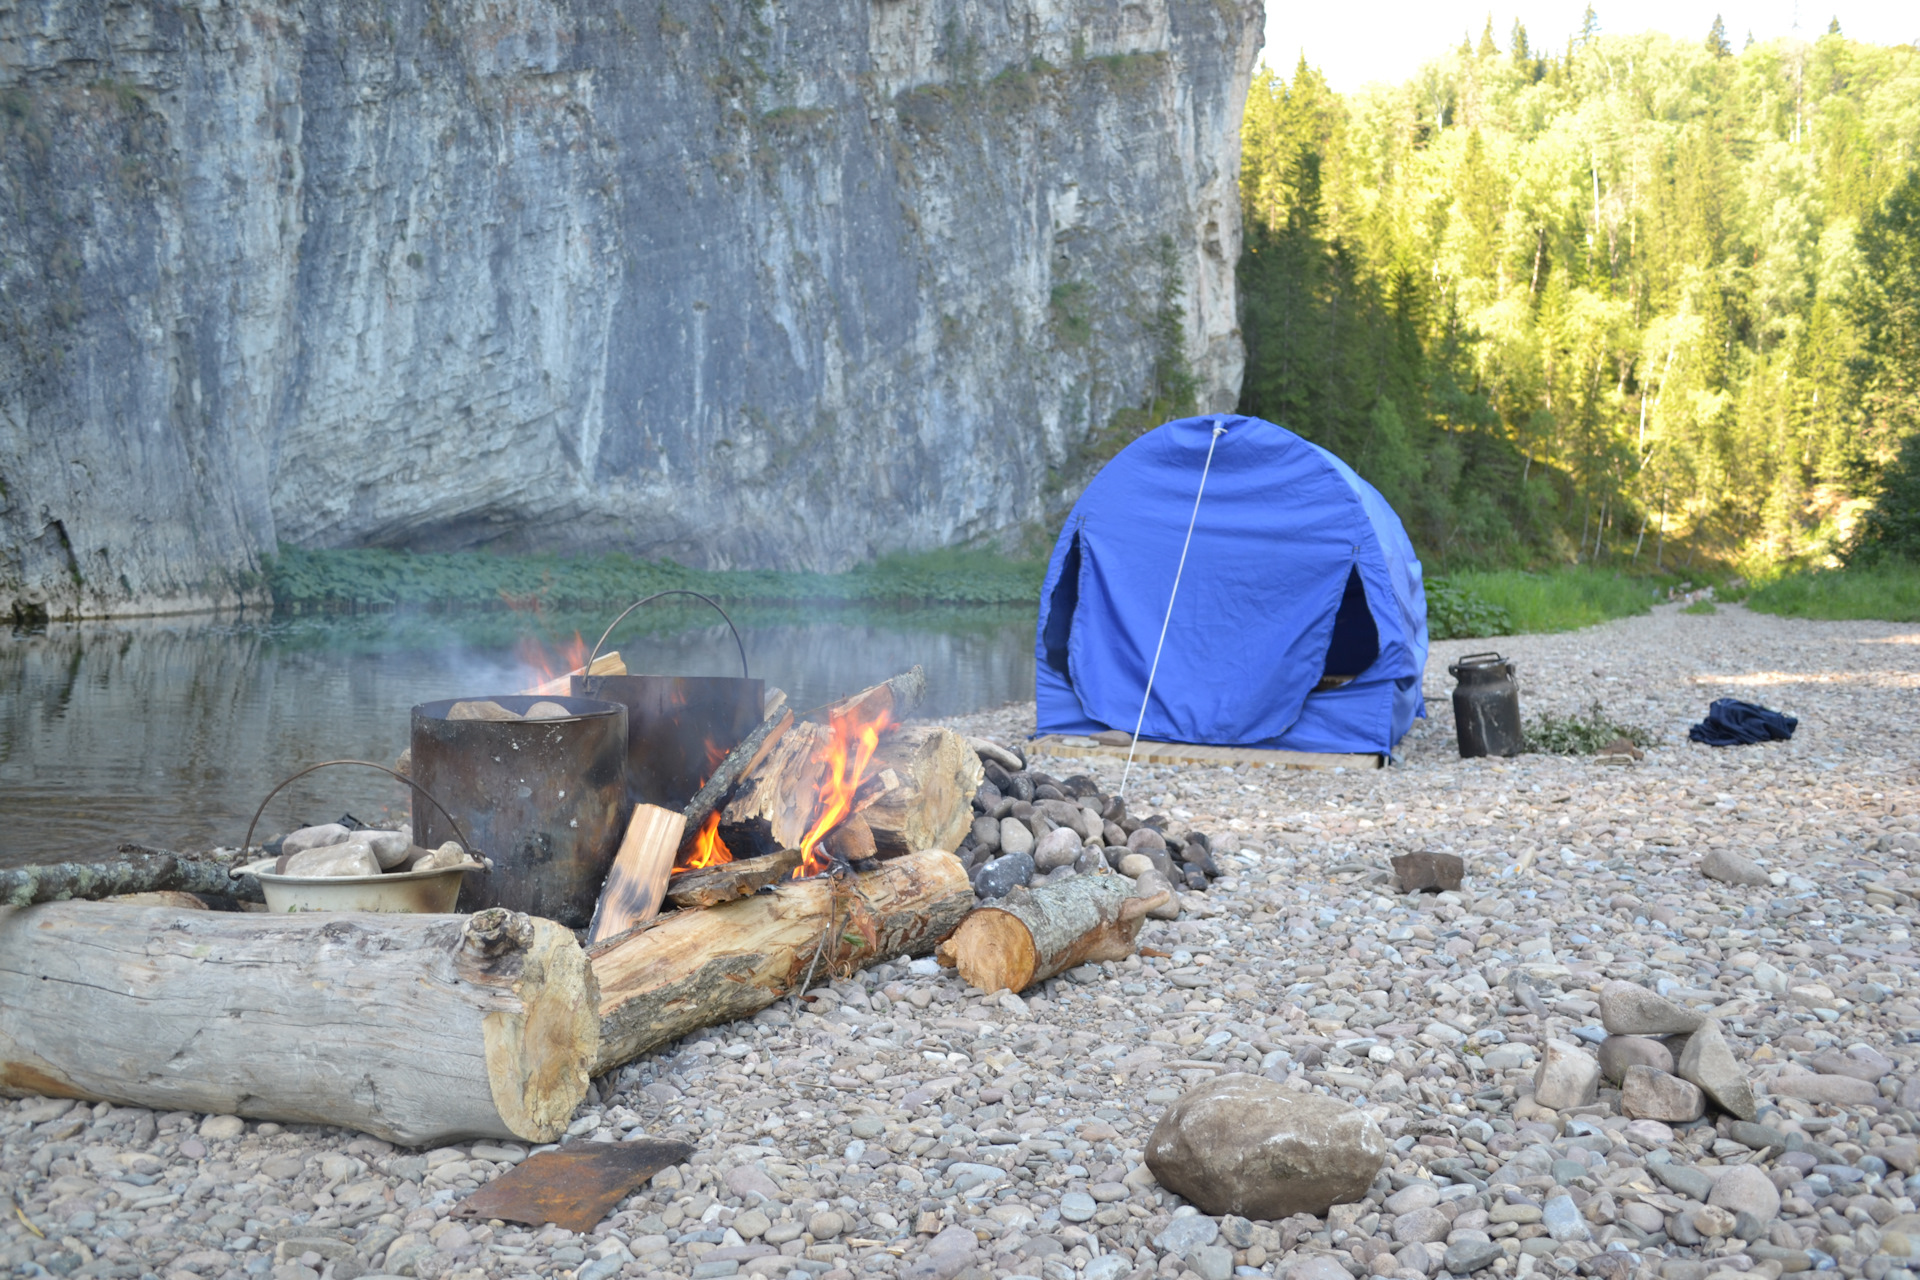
[[1245, 1145], [1627, 1009], [1731, 868], [1617, 1053], [1654, 1095]]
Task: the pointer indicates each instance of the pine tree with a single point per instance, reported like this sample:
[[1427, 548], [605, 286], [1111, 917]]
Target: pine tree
[[1887, 310], [1518, 39], [1589, 26], [1488, 49], [1833, 25], [1717, 39]]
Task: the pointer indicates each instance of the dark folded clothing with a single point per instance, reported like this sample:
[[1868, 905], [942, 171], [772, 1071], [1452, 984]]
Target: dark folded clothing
[[1733, 723]]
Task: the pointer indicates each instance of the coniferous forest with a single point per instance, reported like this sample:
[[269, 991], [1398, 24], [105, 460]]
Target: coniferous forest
[[1635, 302]]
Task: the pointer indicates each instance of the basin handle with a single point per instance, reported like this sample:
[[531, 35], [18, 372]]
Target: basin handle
[[285, 782]]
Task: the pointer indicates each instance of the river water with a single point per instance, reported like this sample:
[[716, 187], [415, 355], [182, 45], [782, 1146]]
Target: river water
[[168, 732]]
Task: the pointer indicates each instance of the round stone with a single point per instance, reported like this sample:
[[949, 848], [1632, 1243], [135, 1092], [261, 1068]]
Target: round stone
[[1077, 1206]]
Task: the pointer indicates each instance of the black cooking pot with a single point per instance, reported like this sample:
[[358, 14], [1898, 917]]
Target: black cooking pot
[[679, 728]]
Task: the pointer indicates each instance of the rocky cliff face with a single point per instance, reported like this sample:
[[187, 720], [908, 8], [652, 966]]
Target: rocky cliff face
[[736, 283]]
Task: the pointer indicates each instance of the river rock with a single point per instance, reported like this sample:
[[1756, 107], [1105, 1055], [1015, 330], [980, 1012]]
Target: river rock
[[986, 833], [1617, 1053], [1245, 1145], [945, 1256], [1862, 1062], [1842, 1091], [998, 878], [1566, 1077], [1730, 868], [1015, 837], [1089, 860], [479, 709], [1186, 1233], [1627, 1009], [545, 710], [1146, 838], [313, 838], [1708, 1062], [1421, 1226], [1742, 1188], [1058, 848], [1685, 1179], [389, 848], [334, 860], [1655, 1095], [1428, 872]]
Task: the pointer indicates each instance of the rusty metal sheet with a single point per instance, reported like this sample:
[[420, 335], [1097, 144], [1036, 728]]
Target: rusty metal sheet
[[574, 1187]]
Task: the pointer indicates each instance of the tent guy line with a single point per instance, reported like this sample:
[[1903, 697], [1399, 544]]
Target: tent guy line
[[1212, 440]]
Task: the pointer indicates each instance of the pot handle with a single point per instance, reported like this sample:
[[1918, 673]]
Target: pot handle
[[1453, 668], [594, 656], [285, 782]]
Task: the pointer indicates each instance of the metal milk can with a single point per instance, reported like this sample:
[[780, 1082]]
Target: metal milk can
[[1486, 705]]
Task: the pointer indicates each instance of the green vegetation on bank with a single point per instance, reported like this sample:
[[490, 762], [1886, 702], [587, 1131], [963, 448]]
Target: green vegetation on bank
[[1888, 591], [1561, 599], [372, 579]]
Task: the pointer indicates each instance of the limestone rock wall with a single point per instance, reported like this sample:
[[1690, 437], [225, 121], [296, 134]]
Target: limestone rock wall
[[733, 282]]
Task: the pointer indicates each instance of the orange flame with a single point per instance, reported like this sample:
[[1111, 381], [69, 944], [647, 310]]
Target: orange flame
[[549, 669], [709, 850], [849, 737]]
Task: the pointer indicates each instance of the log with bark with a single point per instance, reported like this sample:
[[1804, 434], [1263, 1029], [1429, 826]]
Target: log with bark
[[136, 870], [894, 698], [773, 806], [418, 1029], [1032, 935], [698, 968]]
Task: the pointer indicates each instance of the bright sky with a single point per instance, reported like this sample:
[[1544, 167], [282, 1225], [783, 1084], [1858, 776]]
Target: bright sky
[[1389, 39]]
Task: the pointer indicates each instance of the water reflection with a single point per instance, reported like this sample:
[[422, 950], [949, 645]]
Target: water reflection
[[170, 731]]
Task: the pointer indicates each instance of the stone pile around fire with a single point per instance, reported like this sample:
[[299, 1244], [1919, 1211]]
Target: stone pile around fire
[[1030, 828]]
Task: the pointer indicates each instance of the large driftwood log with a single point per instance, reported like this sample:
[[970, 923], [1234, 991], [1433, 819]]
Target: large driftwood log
[[699, 968], [136, 870], [927, 777], [418, 1029], [1028, 937]]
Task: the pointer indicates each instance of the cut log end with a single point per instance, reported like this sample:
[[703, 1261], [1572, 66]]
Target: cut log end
[[994, 950]]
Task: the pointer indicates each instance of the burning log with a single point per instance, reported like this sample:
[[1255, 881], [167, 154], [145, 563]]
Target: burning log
[[433, 1028], [739, 762], [730, 961], [637, 881], [925, 801], [1030, 936], [890, 700], [711, 886], [774, 805]]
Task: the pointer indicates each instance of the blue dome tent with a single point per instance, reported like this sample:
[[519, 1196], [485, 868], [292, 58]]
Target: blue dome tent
[[1300, 622]]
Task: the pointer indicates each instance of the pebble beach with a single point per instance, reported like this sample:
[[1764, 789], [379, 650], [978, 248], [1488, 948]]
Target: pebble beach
[[898, 1123]]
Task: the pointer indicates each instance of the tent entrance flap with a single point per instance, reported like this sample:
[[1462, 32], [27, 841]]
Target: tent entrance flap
[[1066, 598], [1356, 636]]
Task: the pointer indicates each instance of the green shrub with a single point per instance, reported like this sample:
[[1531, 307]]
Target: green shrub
[[1455, 613], [1554, 735]]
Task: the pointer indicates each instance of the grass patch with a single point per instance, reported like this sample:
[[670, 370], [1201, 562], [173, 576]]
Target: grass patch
[[378, 580], [1555, 735], [1889, 592], [1558, 600], [1700, 607]]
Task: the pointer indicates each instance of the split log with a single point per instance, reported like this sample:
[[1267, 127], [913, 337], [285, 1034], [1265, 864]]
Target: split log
[[637, 881], [699, 968], [137, 870], [1028, 937], [927, 778], [775, 805], [607, 664], [710, 886], [893, 697], [739, 762], [419, 1029]]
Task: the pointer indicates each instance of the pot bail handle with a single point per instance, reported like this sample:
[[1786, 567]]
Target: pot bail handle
[[287, 781], [738, 643]]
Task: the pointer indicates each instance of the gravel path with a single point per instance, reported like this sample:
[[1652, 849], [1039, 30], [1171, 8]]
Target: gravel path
[[836, 1136]]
